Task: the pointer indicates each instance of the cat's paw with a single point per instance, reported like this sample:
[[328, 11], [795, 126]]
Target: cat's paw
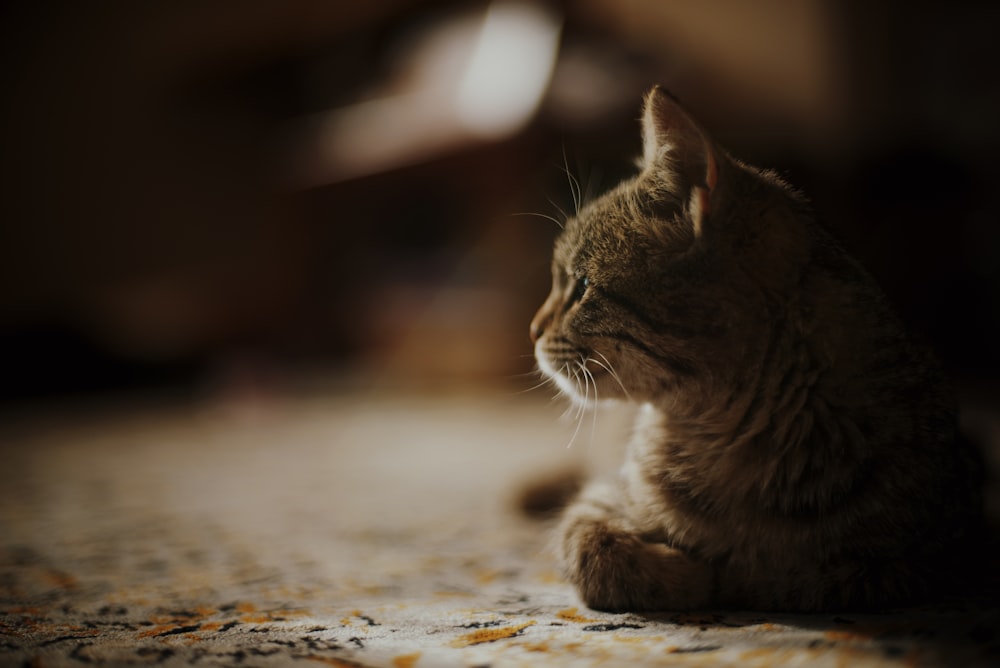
[[616, 571]]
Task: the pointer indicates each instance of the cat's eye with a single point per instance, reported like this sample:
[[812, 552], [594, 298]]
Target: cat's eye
[[580, 289]]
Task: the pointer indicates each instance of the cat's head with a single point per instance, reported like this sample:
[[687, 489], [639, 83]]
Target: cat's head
[[659, 281]]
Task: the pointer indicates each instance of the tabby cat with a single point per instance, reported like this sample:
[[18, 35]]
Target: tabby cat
[[795, 450]]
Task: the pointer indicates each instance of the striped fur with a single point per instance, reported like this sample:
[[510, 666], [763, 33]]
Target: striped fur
[[796, 450]]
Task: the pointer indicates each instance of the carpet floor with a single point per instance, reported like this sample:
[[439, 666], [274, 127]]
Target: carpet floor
[[354, 529]]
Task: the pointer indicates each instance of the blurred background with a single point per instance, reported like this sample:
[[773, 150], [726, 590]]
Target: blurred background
[[212, 194]]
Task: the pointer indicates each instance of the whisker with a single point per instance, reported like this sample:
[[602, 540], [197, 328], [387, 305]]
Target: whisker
[[595, 176], [580, 405], [574, 185], [523, 374], [593, 423], [606, 364], [541, 215], [579, 414], [565, 370], [543, 383], [558, 208]]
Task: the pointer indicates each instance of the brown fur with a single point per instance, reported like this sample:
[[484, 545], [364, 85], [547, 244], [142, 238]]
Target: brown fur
[[796, 450]]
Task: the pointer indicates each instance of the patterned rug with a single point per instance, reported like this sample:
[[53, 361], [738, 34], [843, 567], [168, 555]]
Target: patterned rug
[[354, 530]]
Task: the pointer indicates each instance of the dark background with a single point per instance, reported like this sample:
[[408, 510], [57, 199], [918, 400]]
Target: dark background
[[152, 234]]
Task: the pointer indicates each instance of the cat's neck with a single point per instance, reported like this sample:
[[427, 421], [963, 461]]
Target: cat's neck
[[723, 409]]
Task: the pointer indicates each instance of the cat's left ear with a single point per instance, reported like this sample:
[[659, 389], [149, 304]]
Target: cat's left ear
[[675, 145]]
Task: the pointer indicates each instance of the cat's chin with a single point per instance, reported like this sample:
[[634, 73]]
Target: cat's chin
[[589, 403], [596, 390], [583, 397]]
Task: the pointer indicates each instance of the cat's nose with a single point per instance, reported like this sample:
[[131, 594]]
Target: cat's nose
[[538, 324]]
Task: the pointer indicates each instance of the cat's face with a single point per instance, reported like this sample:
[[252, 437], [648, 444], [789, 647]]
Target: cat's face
[[619, 305], [644, 296]]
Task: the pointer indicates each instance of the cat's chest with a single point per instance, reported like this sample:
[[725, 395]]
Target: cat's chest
[[670, 498], [647, 476]]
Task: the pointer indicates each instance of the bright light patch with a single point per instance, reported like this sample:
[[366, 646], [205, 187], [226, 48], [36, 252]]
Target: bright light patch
[[470, 78], [509, 70]]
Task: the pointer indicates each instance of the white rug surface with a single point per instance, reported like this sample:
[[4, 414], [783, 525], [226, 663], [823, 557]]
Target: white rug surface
[[354, 529]]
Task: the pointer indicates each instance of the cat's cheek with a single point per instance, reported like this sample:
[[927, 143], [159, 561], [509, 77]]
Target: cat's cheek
[[544, 363], [571, 390], [546, 366]]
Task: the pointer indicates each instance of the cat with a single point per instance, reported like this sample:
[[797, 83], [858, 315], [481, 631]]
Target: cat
[[795, 449]]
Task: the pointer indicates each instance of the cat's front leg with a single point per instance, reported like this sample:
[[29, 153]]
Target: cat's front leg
[[614, 569]]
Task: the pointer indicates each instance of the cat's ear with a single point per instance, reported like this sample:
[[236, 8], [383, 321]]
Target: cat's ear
[[674, 145]]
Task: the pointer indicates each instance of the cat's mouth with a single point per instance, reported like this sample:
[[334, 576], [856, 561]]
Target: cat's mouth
[[578, 375]]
